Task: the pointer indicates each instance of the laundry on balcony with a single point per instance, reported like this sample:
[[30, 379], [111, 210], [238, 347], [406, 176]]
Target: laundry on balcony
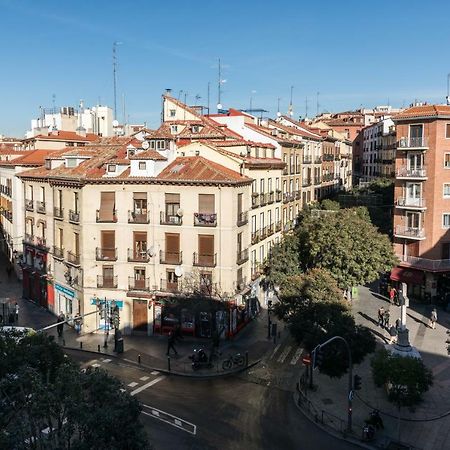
[[205, 219]]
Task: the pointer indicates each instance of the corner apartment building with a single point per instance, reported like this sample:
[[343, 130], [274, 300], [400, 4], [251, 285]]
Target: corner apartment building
[[422, 200]]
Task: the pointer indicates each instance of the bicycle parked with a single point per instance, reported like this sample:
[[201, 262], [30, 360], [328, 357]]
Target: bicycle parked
[[236, 360]]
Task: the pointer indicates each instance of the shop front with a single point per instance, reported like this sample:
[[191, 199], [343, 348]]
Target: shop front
[[65, 300], [414, 279], [34, 283]]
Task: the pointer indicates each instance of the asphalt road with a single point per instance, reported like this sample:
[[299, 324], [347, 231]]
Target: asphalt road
[[225, 413]]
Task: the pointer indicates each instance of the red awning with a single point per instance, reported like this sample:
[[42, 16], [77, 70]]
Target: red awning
[[409, 276]]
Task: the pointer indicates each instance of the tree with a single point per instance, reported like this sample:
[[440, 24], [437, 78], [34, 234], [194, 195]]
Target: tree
[[406, 378], [83, 410], [346, 244], [314, 309]]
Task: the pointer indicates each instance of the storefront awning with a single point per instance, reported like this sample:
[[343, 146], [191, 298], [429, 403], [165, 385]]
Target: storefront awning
[[409, 276]]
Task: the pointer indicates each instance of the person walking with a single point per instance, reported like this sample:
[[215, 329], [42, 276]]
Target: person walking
[[397, 324], [60, 326], [171, 343], [386, 318], [77, 323], [380, 316], [433, 319], [393, 334], [392, 294], [17, 313]]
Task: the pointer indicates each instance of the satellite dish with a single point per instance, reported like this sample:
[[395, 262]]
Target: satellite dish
[[145, 145], [151, 251], [179, 271], [180, 212], [219, 105], [278, 114], [115, 123]]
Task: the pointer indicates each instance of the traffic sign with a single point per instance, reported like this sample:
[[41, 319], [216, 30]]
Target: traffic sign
[[306, 360], [350, 395]]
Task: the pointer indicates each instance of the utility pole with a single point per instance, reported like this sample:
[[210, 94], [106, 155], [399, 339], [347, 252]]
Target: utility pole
[[291, 107], [317, 104], [115, 44]]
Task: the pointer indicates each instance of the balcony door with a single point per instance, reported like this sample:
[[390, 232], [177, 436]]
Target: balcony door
[[413, 220], [205, 249], [172, 248], [139, 277], [140, 244], [413, 194], [415, 161], [108, 240]]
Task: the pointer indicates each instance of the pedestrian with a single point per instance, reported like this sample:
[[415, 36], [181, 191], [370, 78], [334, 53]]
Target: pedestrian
[[171, 343], [60, 326], [433, 318], [393, 334], [392, 294], [380, 316], [17, 313], [397, 324], [77, 323], [386, 317]]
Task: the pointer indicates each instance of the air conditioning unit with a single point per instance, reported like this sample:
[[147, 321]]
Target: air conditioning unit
[[173, 219]]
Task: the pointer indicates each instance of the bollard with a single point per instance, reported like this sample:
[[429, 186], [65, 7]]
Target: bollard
[[98, 348], [168, 363], [139, 359], [246, 359], [81, 345]]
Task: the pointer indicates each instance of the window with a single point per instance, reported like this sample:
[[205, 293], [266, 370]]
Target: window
[[261, 186], [107, 206], [152, 144], [447, 160], [111, 167], [446, 220], [447, 130], [172, 205], [173, 128], [71, 163], [43, 194], [75, 202], [446, 190], [172, 112], [142, 165]]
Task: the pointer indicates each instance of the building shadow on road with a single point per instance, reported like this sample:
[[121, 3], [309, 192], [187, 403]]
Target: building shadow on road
[[417, 320], [374, 322], [379, 296]]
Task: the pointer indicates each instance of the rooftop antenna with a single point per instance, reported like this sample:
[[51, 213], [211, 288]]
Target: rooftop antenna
[[220, 81], [448, 89], [291, 108], [197, 98], [114, 50], [123, 108], [54, 112], [306, 107], [317, 104], [209, 86], [251, 99], [179, 94], [278, 107]]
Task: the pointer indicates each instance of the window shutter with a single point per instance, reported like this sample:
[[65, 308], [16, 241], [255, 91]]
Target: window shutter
[[107, 203], [108, 239], [206, 204], [172, 243], [140, 195], [140, 236], [172, 198], [239, 204], [205, 244]]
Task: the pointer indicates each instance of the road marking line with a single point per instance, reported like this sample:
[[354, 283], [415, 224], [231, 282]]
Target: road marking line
[[282, 357], [170, 419], [147, 385], [155, 372], [296, 356], [275, 350], [133, 384], [95, 365], [107, 360], [144, 378]]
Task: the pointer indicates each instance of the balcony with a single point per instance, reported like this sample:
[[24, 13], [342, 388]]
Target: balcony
[[106, 217], [5, 190], [169, 219], [58, 253], [240, 284], [263, 233], [170, 257], [262, 200], [204, 260], [270, 197], [317, 181], [307, 159], [328, 157], [409, 232], [255, 200], [418, 173], [137, 256], [107, 282], [242, 256], [40, 207], [205, 220], [255, 272], [278, 226], [170, 286], [73, 258], [255, 237], [139, 284], [306, 183], [242, 219], [58, 213], [411, 203], [29, 205], [297, 195], [318, 160], [40, 242], [278, 195], [270, 230], [138, 217], [328, 177], [7, 215], [106, 254], [433, 265], [412, 143], [74, 217], [28, 239]]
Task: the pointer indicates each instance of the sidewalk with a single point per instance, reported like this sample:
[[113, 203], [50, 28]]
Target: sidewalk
[[427, 427], [152, 349]]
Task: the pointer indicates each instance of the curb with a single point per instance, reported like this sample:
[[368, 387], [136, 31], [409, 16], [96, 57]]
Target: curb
[[165, 371], [330, 431]]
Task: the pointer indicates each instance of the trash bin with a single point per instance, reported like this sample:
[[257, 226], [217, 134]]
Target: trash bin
[[119, 345]]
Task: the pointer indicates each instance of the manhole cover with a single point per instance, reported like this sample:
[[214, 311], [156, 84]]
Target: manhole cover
[[327, 401]]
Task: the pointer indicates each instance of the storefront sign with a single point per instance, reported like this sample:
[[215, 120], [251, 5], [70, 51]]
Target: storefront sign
[[65, 290], [119, 303]]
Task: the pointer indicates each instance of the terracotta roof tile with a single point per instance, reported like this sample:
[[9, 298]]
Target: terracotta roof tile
[[424, 111], [66, 136], [30, 158], [149, 154], [197, 168]]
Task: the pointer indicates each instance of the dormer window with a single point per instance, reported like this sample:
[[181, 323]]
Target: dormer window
[[111, 167], [71, 162], [152, 144], [174, 128], [48, 164], [160, 145], [142, 165], [195, 128], [131, 152]]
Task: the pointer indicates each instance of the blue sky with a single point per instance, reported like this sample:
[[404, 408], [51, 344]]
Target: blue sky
[[353, 52]]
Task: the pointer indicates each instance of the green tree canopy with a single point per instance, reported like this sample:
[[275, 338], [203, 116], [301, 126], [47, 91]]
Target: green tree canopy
[[346, 244], [41, 388], [406, 378]]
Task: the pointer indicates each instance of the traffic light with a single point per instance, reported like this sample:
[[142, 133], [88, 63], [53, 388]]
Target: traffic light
[[102, 311], [269, 306], [115, 317], [318, 357], [357, 382]]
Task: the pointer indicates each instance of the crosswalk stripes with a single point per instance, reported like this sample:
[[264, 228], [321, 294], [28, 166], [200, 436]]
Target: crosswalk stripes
[[287, 354], [275, 350], [133, 384], [284, 354], [107, 360], [144, 378], [296, 356], [95, 365]]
